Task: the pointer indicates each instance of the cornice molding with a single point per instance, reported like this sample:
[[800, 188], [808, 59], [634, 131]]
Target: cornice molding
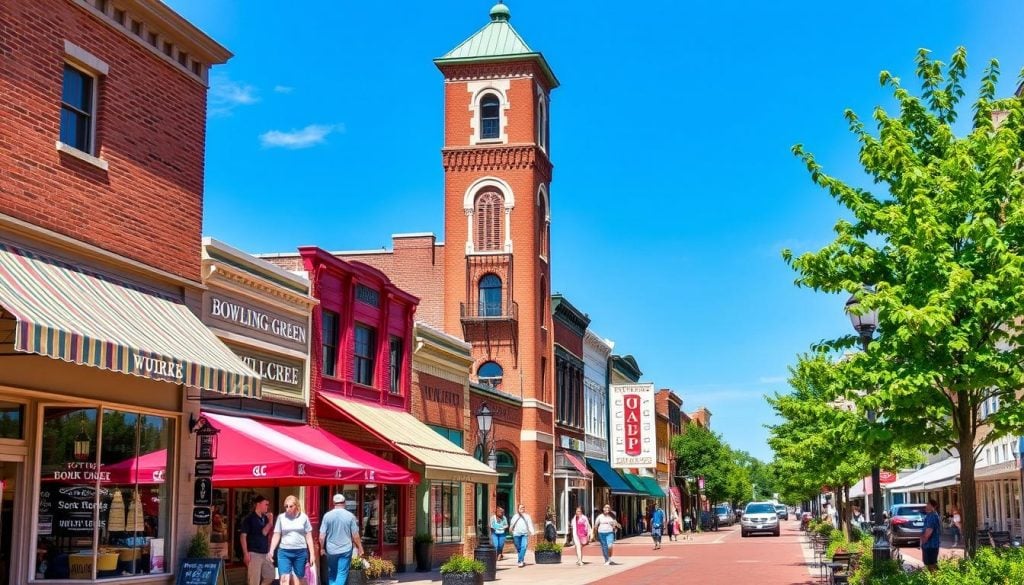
[[240, 281], [438, 371], [496, 158]]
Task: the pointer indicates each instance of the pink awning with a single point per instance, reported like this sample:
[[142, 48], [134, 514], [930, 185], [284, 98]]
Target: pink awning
[[579, 465], [148, 469], [254, 453]]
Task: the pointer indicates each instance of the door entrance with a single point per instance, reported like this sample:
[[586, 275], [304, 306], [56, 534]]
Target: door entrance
[[10, 473]]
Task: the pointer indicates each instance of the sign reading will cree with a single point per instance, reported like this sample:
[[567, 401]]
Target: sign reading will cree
[[276, 371], [252, 318], [632, 425]]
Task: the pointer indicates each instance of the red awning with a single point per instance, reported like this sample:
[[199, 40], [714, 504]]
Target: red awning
[[255, 453], [148, 469], [579, 465]]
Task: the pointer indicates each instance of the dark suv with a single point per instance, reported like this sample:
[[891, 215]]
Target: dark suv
[[906, 524]]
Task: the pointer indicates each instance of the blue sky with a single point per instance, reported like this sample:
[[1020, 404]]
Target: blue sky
[[674, 187]]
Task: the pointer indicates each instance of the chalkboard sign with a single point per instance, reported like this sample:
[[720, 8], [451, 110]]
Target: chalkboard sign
[[202, 572]]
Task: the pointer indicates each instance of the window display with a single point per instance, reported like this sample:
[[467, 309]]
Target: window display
[[446, 503], [104, 498]]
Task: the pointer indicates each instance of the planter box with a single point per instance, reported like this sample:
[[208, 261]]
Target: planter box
[[462, 579], [547, 557], [355, 578]]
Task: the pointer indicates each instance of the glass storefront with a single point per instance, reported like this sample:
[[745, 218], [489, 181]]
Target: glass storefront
[[376, 508], [105, 494]]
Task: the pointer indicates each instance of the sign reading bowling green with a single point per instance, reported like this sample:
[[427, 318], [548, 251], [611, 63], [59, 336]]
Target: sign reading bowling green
[[255, 321], [633, 442]]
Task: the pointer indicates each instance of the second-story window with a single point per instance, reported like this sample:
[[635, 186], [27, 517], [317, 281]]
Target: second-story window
[[395, 358], [330, 343], [490, 373], [363, 352], [490, 296], [490, 117], [77, 109]]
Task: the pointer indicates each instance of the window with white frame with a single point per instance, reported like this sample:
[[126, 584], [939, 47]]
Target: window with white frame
[[490, 117]]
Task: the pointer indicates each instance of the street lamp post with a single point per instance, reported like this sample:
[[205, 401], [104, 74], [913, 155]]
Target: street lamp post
[[865, 323], [484, 551]]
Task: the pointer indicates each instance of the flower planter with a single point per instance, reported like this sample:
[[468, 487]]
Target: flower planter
[[547, 557], [462, 579], [356, 578], [422, 552]]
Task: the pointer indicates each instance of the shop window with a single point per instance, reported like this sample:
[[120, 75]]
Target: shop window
[[365, 346], [370, 526], [446, 511], [390, 505], [114, 462], [12, 420], [330, 343], [505, 492], [395, 364]]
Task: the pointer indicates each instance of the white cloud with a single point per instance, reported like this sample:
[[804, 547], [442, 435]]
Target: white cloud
[[226, 95], [283, 89], [304, 138]]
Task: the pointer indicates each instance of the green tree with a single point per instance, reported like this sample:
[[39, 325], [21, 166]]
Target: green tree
[[941, 243], [700, 452]]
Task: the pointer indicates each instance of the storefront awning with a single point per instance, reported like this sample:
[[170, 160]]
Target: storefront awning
[[610, 477], [1005, 470], [256, 453], [442, 460], [651, 486], [634, 482], [68, 313], [927, 477], [575, 461]]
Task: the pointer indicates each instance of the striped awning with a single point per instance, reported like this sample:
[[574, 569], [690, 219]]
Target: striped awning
[[71, 314]]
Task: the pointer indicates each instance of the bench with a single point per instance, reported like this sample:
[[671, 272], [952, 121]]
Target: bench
[[983, 537], [1000, 539]]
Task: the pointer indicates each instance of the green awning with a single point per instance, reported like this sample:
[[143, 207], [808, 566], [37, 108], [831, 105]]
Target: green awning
[[651, 486], [635, 483]]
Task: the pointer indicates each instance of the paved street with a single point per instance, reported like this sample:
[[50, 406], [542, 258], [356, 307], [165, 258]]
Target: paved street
[[711, 558]]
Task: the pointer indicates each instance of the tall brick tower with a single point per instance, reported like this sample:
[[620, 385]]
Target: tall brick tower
[[497, 168]]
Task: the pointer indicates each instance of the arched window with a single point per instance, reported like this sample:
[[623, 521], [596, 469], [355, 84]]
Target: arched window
[[490, 296], [490, 117], [487, 213], [542, 124], [490, 373]]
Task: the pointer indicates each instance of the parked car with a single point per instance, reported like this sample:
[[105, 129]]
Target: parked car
[[726, 517], [759, 517], [782, 511], [906, 524]]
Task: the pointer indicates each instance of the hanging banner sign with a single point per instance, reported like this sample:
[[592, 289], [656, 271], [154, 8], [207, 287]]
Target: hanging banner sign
[[633, 441]]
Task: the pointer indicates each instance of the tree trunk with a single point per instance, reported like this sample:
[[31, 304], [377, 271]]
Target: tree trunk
[[839, 507], [968, 494]]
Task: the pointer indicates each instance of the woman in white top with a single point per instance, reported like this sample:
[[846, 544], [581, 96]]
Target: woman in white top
[[294, 533], [521, 527], [605, 526], [580, 534]]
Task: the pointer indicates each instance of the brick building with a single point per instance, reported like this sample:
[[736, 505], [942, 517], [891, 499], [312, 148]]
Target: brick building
[[102, 353]]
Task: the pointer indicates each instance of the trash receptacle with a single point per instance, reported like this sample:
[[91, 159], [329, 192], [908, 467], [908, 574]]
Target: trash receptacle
[[489, 557]]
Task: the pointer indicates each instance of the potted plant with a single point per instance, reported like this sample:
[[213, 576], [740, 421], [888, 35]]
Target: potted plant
[[422, 544], [547, 553], [366, 570], [460, 570], [198, 547]]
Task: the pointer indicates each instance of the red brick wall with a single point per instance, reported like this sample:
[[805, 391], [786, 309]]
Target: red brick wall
[[150, 129], [569, 339]]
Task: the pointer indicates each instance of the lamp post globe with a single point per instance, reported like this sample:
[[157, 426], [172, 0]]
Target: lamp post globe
[[865, 323]]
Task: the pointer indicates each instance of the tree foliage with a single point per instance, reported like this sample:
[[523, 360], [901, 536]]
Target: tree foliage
[[941, 242], [727, 473]]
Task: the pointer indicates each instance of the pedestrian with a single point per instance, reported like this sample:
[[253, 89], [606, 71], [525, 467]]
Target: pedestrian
[[294, 534], [857, 517], [550, 532], [580, 534], [339, 534], [931, 537], [672, 519], [499, 531], [605, 526], [688, 522], [657, 525], [254, 538], [641, 524], [956, 524], [521, 527]]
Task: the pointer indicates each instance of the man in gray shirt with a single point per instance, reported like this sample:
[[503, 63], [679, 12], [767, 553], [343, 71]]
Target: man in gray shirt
[[339, 532]]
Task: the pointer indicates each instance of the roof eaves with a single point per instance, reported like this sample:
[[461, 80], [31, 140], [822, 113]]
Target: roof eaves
[[538, 57]]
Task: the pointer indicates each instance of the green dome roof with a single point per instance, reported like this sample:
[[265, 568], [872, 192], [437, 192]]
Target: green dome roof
[[500, 12]]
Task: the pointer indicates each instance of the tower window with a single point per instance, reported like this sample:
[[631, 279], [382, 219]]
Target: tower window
[[488, 212], [490, 117], [77, 109], [490, 373], [490, 296]]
